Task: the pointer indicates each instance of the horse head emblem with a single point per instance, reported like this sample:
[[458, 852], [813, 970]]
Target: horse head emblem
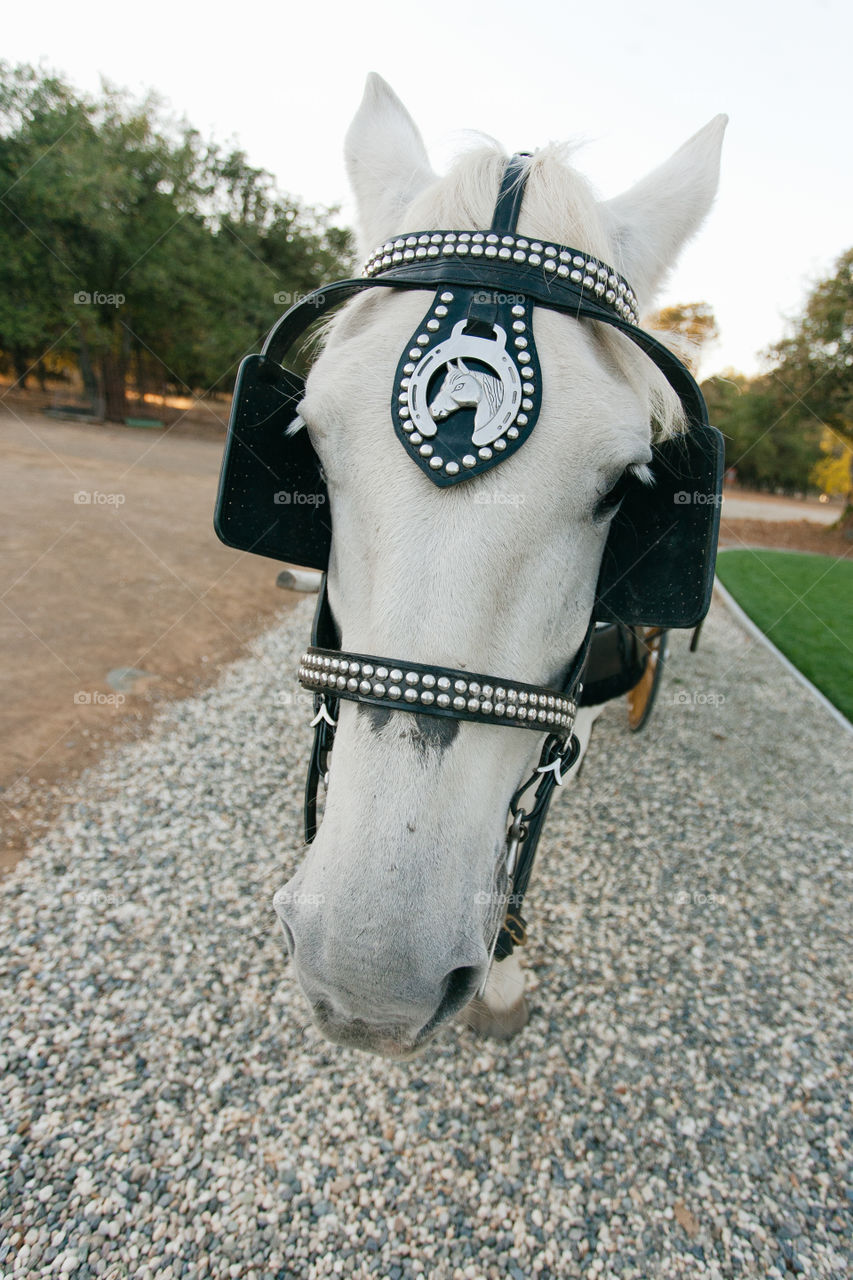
[[464, 389]]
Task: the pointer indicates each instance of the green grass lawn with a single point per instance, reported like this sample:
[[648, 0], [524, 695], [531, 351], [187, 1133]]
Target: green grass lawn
[[804, 604]]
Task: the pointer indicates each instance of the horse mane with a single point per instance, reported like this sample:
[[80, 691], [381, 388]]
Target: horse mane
[[559, 205]]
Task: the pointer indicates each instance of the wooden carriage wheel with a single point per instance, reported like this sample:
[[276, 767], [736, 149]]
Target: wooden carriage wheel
[[641, 698]]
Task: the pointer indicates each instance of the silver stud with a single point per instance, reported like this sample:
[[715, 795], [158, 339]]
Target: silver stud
[[527, 404], [443, 682], [520, 342], [364, 687], [519, 326], [411, 695], [412, 677], [447, 296], [510, 712], [367, 669], [522, 243], [436, 463], [415, 353], [504, 253], [460, 686], [562, 270], [422, 339], [550, 265], [432, 325], [425, 451], [416, 437], [511, 695], [428, 681], [577, 277], [534, 260], [469, 461], [407, 426], [443, 700], [407, 256], [508, 240], [474, 687], [449, 249], [395, 692], [513, 433], [432, 251], [521, 713], [486, 708], [452, 468], [500, 708], [440, 311], [409, 368], [522, 419], [588, 282], [396, 674], [459, 704], [492, 239], [485, 453], [379, 690], [523, 357], [500, 693], [491, 251], [473, 704], [518, 310], [499, 444], [427, 698], [420, 253], [462, 248], [519, 256], [476, 250]]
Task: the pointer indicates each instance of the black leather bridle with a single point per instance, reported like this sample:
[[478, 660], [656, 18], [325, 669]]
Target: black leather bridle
[[659, 570]]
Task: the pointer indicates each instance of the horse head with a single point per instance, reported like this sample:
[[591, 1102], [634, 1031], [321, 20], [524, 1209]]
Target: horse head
[[459, 389], [388, 918]]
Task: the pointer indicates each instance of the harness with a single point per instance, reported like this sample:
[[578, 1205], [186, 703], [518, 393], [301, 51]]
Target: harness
[[658, 563]]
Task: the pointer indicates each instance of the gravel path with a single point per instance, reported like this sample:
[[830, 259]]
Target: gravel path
[[677, 1106]]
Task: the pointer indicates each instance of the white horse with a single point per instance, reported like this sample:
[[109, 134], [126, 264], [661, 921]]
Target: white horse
[[385, 919]]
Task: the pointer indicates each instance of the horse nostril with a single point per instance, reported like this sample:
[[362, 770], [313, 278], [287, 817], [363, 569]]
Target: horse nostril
[[459, 987], [288, 937]]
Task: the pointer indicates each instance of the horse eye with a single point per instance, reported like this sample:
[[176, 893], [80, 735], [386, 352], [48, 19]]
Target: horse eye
[[611, 499]]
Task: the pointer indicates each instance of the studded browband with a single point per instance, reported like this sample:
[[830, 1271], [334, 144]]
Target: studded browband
[[593, 278]]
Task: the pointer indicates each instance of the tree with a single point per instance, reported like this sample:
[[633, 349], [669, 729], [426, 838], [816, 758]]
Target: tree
[[691, 323], [813, 365], [133, 246]]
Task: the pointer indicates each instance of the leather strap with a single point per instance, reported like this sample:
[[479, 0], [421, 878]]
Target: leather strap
[[510, 194]]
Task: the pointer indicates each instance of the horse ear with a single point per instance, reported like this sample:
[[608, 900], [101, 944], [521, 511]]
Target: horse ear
[[461, 365], [386, 161], [653, 220]]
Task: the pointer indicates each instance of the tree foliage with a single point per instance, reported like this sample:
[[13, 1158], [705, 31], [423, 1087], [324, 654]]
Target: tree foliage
[[133, 247], [692, 324], [792, 426]]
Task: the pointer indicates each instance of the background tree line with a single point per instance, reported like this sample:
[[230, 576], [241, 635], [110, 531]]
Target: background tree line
[[135, 251]]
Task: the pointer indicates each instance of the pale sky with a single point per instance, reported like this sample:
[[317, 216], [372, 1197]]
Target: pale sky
[[631, 81]]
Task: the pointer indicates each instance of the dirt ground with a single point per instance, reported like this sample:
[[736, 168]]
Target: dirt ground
[[110, 561]]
